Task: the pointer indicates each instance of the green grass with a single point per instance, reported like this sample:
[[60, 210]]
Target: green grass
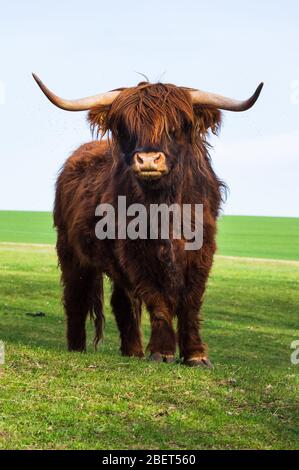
[[52, 399], [258, 237], [26, 227]]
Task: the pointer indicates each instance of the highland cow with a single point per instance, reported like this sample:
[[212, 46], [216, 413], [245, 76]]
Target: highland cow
[[156, 152]]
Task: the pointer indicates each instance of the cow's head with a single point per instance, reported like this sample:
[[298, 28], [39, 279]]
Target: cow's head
[[153, 124]]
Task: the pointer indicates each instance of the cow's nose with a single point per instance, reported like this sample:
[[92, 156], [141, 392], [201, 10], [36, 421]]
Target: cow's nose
[[149, 161]]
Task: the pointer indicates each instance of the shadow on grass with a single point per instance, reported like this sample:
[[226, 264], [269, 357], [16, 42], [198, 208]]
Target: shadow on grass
[[240, 328], [229, 345]]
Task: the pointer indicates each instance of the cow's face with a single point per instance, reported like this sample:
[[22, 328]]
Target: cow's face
[[153, 126]]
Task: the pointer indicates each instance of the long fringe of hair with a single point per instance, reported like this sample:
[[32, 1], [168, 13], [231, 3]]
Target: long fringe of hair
[[149, 112]]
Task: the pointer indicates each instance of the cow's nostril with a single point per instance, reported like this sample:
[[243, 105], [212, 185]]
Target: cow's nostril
[[139, 159], [158, 158]]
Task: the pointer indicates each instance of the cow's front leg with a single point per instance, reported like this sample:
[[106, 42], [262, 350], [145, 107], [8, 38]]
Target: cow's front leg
[[192, 350], [162, 344]]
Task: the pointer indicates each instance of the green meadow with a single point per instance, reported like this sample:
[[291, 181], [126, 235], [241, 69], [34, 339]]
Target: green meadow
[[52, 399], [261, 237]]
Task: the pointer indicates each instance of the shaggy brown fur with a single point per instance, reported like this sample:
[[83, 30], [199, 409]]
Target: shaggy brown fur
[[160, 274]]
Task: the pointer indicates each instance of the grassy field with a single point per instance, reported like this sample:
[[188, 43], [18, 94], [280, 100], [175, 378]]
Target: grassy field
[[26, 227], [51, 399], [258, 237]]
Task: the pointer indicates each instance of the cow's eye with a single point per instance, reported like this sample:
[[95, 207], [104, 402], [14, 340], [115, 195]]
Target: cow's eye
[[173, 133]]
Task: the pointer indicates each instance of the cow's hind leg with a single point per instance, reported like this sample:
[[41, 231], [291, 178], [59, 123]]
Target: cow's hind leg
[[80, 297], [127, 313]]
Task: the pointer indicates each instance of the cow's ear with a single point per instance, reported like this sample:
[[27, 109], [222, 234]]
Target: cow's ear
[[207, 118], [98, 120]]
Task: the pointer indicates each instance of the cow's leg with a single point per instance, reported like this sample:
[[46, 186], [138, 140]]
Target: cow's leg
[[78, 301], [97, 309], [162, 344], [82, 294], [192, 349], [127, 313]]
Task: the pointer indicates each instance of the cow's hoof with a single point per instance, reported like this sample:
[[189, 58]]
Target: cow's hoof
[[169, 359], [158, 357], [199, 362]]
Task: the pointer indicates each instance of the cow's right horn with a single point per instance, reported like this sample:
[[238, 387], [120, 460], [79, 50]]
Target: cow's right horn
[[82, 104]]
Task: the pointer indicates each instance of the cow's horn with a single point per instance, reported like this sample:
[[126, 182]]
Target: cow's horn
[[211, 99], [82, 104]]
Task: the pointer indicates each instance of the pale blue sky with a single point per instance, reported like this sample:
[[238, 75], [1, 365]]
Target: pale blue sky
[[80, 48]]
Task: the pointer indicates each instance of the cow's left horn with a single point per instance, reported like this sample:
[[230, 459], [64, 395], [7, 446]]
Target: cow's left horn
[[82, 104], [211, 99]]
